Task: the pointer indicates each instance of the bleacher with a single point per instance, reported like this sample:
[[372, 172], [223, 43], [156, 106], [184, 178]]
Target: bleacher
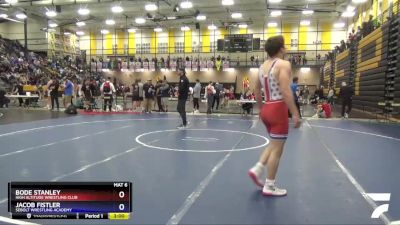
[[326, 76], [371, 66], [342, 69]]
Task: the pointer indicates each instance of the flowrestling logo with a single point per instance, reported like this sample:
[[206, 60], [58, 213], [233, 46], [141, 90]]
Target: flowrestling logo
[[379, 197], [381, 209]]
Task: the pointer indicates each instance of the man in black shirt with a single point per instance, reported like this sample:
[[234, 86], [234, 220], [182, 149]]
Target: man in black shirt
[[149, 92], [346, 94], [183, 93], [19, 89]]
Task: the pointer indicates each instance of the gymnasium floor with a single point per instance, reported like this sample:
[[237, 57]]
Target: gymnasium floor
[[199, 175]]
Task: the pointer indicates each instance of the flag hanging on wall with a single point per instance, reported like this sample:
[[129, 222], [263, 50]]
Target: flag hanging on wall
[[246, 82]]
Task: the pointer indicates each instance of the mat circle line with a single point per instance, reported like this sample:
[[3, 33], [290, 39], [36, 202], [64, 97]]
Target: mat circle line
[[137, 139]]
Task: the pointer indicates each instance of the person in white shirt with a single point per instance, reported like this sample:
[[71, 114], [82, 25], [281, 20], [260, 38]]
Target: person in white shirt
[[107, 89]]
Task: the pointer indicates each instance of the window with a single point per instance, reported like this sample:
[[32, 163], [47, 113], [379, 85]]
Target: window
[[146, 48], [138, 49], [162, 48], [294, 43], [213, 46], [197, 47], [115, 47], [143, 48], [125, 49], [179, 47]]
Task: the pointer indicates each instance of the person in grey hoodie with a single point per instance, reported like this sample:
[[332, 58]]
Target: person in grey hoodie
[[196, 96], [164, 94]]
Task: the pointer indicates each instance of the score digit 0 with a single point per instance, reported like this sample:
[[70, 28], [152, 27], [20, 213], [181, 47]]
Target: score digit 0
[[121, 194], [121, 207]]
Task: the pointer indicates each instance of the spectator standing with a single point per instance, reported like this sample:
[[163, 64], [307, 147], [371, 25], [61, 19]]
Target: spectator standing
[[320, 93], [165, 94], [54, 86], [135, 96], [346, 94], [48, 90], [108, 89], [306, 95], [296, 93], [141, 93], [68, 92], [330, 97], [218, 89], [149, 92], [210, 91], [3, 99], [88, 90], [196, 96], [19, 89], [158, 95], [183, 93]]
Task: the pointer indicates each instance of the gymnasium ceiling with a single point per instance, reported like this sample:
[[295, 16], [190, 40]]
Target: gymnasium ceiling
[[255, 12]]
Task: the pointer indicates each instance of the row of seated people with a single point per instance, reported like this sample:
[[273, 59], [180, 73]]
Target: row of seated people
[[362, 31]]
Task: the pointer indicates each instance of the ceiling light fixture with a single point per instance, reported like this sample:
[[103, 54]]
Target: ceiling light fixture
[[21, 16], [359, 1], [67, 33], [104, 32], [339, 25], [158, 29], [307, 12], [171, 17], [51, 13], [185, 28], [83, 11], [243, 26], [186, 5], [276, 13], [350, 8], [117, 9], [272, 24], [236, 15], [151, 7], [3, 16], [110, 22], [53, 24], [305, 23], [274, 1], [80, 23], [11, 1], [212, 27], [227, 2], [201, 17], [131, 30], [348, 14], [305, 69], [80, 33], [140, 20]]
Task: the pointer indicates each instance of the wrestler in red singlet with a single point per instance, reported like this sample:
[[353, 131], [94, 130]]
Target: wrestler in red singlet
[[274, 114], [275, 80]]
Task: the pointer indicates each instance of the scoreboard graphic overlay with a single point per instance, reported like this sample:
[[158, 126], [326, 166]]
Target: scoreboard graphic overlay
[[70, 200]]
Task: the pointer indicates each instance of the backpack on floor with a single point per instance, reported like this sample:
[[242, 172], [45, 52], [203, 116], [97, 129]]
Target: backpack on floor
[[71, 109]]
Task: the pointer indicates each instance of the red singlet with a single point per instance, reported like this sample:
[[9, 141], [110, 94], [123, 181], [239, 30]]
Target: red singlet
[[274, 113]]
